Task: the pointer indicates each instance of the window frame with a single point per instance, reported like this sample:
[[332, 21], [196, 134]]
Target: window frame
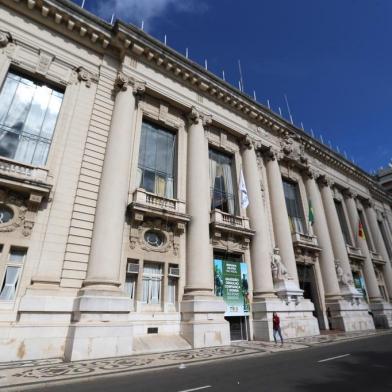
[[38, 80], [343, 221], [299, 206], [150, 278]]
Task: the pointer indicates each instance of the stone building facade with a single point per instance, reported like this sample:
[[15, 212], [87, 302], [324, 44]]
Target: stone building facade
[[125, 171]]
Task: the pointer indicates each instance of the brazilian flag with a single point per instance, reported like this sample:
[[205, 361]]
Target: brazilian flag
[[311, 213]]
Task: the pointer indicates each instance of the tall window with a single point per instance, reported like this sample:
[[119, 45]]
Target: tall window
[[221, 182], [172, 290], [13, 271], [385, 238], [152, 282], [365, 230], [294, 207], [28, 115], [156, 160], [343, 222]]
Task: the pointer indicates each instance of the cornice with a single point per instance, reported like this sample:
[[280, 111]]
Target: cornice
[[124, 39]]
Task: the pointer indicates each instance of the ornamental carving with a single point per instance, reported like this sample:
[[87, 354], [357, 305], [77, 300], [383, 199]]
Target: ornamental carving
[[86, 76], [292, 149], [229, 242], [195, 116], [5, 39], [123, 82], [44, 62]]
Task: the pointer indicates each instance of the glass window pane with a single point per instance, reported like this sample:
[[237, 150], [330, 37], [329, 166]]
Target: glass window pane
[[8, 288], [294, 206], [28, 115], [17, 255]]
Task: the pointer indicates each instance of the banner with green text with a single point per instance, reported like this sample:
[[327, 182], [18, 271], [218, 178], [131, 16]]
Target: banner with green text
[[231, 283]]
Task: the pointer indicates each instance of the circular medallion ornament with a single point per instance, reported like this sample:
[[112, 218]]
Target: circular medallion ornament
[[6, 214], [154, 238]]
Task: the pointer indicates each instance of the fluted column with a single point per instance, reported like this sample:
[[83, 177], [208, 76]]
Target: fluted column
[[335, 231], [105, 256], [380, 246], [327, 258], [279, 215], [260, 246], [368, 270], [199, 276]]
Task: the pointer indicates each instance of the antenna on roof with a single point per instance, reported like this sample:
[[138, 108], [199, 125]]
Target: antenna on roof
[[83, 1], [241, 78], [345, 154], [254, 95], [223, 75], [312, 133], [268, 104], [288, 109], [321, 138], [165, 40], [302, 126], [280, 111], [112, 20], [187, 53], [205, 64], [142, 25], [337, 149]]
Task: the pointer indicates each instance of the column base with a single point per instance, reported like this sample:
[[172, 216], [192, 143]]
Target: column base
[[349, 315], [296, 318], [100, 327], [382, 314], [203, 323]]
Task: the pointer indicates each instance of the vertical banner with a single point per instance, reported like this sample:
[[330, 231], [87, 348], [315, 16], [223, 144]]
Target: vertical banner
[[231, 283]]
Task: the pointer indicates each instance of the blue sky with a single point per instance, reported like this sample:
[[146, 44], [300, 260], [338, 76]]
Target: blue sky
[[332, 58]]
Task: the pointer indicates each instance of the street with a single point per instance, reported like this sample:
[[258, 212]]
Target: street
[[358, 365]]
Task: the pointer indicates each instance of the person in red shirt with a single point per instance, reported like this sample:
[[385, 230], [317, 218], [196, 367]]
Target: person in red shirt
[[276, 327]]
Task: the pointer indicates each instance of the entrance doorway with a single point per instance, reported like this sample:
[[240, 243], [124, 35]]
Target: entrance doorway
[[239, 327], [307, 283]]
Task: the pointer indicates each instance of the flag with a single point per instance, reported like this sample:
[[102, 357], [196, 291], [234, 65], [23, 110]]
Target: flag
[[361, 232], [311, 213], [244, 192]]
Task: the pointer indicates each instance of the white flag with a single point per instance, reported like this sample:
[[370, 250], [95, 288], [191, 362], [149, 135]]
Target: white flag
[[244, 192]]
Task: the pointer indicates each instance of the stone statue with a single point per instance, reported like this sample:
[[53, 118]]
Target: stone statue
[[279, 271], [340, 274]]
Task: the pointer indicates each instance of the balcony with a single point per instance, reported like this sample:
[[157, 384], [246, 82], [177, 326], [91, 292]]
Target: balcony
[[230, 223], [305, 242], [24, 177], [377, 258], [144, 203], [354, 254]]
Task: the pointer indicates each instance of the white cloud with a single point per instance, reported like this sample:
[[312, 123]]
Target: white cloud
[[135, 11]]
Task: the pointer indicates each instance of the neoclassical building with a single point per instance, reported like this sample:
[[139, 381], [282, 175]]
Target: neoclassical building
[[147, 205]]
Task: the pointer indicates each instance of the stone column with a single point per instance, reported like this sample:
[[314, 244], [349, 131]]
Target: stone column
[[101, 310], [327, 258], [203, 322], [105, 256], [380, 246], [260, 248], [337, 239], [368, 270], [279, 215]]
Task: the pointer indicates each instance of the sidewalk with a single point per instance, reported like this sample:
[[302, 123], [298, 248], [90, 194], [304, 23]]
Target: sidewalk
[[29, 374]]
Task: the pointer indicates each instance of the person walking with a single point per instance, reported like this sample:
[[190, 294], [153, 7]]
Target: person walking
[[276, 327]]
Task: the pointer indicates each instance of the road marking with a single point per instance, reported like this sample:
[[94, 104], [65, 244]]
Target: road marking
[[196, 389], [330, 359]]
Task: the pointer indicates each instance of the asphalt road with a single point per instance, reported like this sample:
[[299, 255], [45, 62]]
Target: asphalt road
[[360, 365]]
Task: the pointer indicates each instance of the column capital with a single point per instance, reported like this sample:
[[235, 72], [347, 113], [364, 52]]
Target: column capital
[[325, 181], [5, 39], [349, 193], [195, 116], [311, 172], [123, 82], [86, 76], [369, 203], [271, 153]]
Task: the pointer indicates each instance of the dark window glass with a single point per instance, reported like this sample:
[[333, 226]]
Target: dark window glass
[[28, 115], [221, 182], [385, 238], [294, 206], [156, 160], [343, 222]]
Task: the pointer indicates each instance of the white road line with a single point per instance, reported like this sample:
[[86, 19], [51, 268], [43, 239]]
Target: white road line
[[196, 389], [330, 359]]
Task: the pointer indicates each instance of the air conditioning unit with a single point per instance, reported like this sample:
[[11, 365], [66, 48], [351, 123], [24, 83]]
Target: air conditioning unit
[[133, 268], [175, 272]]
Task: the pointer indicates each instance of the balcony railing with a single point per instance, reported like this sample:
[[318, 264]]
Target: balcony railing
[[21, 172], [223, 218], [353, 252], [376, 257], [142, 197]]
